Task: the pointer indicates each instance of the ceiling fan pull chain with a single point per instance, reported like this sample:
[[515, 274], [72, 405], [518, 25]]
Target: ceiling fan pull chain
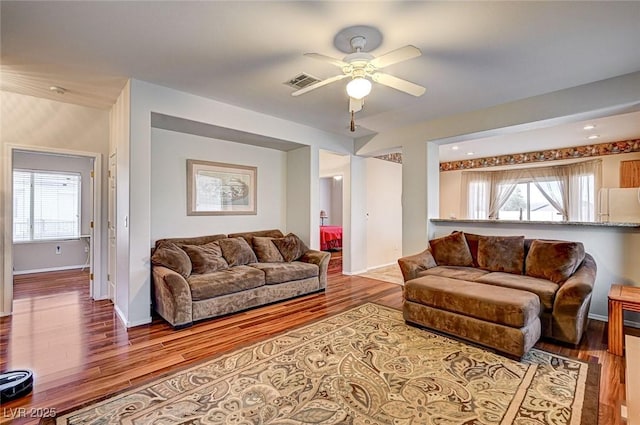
[[353, 122]]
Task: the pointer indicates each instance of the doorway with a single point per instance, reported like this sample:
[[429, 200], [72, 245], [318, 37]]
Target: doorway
[[42, 239]]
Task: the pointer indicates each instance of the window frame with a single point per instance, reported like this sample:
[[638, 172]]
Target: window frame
[[32, 173], [528, 181]]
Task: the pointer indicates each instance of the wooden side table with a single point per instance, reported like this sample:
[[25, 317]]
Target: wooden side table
[[620, 298]]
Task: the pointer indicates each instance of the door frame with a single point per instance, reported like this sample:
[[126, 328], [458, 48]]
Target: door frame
[[95, 287]]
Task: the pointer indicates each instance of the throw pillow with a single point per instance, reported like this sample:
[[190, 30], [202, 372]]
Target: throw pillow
[[237, 251], [472, 242], [451, 250], [501, 253], [554, 260], [169, 255], [291, 247], [266, 251], [205, 258]]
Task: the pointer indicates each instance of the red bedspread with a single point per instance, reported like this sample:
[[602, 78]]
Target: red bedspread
[[330, 237]]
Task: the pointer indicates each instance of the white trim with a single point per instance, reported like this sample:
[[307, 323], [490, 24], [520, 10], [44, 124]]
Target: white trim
[[128, 324], [355, 273], [96, 268], [50, 269], [369, 269], [602, 318]]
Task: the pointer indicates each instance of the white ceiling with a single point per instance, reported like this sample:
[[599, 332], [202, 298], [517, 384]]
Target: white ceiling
[[475, 54]]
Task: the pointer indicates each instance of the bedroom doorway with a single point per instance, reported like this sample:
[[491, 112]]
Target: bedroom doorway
[[334, 207]]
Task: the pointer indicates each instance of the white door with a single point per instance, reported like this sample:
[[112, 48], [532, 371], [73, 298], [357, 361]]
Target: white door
[[111, 275]]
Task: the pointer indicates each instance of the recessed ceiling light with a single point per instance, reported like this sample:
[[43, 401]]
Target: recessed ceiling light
[[455, 148], [593, 136], [470, 153], [58, 89], [589, 127]]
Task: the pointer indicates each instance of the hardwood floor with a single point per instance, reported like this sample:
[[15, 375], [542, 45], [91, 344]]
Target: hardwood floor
[[79, 351]]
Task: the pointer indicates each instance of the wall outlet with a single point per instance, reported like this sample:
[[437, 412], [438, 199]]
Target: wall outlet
[[58, 249], [86, 249]]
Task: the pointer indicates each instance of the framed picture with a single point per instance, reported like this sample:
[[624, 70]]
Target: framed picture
[[214, 188]]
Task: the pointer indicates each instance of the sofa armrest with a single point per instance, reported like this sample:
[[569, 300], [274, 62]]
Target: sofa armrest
[[320, 259], [413, 264], [172, 296], [572, 301]]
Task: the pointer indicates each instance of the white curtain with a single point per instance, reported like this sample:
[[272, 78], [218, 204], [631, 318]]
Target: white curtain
[[553, 183], [474, 196], [584, 182], [571, 189], [503, 183]]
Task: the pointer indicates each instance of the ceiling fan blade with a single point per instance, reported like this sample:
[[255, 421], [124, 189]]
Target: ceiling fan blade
[[395, 56], [318, 84], [333, 61], [398, 84], [355, 105]]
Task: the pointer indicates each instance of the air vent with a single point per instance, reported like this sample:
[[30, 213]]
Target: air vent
[[301, 81]]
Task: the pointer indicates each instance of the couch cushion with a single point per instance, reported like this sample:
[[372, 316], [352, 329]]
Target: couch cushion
[[455, 272], [501, 253], [291, 247], [171, 256], [198, 240], [248, 236], [266, 250], [506, 306], [543, 288], [234, 279], [554, 260], [285, 272], [237, 251], [205, 258], [451, 250]]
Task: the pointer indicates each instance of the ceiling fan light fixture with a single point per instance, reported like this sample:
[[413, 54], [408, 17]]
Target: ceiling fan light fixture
[[358, 88]]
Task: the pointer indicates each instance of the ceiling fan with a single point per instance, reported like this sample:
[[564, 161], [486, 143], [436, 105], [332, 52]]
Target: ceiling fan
[[362, 68]]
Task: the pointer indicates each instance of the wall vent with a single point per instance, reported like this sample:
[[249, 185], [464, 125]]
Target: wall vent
[[301, 81]]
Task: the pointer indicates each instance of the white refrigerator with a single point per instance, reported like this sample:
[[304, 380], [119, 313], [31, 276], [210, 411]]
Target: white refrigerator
[[617, 205]]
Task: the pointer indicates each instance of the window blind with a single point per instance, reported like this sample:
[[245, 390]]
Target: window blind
[[46, 205]]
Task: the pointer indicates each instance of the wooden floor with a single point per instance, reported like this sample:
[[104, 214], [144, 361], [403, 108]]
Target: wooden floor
[[79, 350]]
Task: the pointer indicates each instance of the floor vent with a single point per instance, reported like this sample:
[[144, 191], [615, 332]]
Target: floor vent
[[301, 81]]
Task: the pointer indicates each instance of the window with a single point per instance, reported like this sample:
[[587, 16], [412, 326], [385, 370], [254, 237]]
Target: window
[[46, 205], [559, 193], [527, 202]]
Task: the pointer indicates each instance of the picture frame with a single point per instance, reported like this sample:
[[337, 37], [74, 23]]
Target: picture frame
[[216, 188]]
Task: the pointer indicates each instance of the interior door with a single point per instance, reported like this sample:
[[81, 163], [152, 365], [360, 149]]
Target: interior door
[[111, 275]]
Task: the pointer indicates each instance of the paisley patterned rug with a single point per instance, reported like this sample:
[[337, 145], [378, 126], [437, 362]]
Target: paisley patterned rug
[[363, 366]]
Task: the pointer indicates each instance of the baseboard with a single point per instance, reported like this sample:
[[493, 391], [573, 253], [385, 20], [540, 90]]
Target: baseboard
[[120, 315], [355, 273], [602, 318], [381, 266], [51, 269]]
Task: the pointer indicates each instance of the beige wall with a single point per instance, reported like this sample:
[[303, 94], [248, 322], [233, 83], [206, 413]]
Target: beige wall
[[450, 180]]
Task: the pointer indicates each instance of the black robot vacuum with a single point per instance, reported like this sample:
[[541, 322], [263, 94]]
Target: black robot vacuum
[[14, 384]]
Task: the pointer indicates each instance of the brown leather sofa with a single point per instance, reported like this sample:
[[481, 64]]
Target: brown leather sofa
[[501, 292], [203, 277]]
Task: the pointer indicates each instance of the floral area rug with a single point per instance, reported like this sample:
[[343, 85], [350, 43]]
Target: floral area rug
[[362, 366]]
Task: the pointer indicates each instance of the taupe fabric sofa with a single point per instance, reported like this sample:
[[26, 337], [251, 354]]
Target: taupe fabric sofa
[[209, 276], [501, 292]]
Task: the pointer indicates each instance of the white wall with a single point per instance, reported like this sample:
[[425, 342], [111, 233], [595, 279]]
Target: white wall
[[615, 250], [40, 256], [169, 153], [331, 199], [384, 212], [450, 181], [41, 123]]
